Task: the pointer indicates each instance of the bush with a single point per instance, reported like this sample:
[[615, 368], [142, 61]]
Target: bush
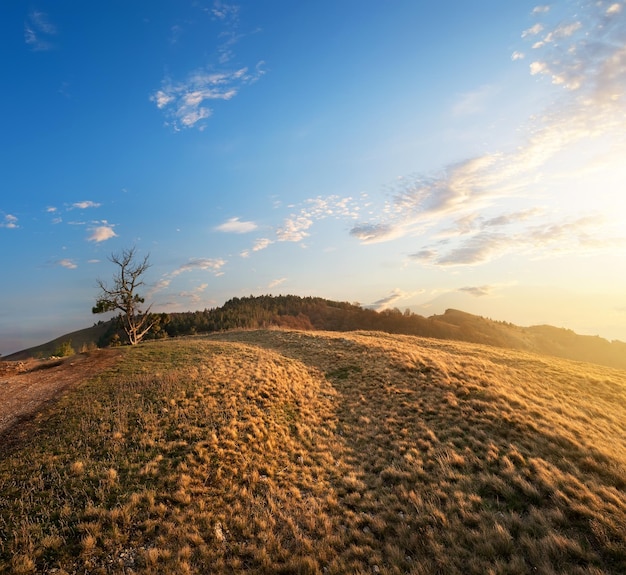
[[87, 347], [65, 349]]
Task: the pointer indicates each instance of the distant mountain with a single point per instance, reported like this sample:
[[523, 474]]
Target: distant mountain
[[78, 339], [311, 313]]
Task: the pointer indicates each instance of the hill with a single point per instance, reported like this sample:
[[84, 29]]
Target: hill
[[82, 338], [274, 451], [321, 314]]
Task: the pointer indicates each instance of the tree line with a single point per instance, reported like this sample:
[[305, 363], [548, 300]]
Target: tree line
[[134, 323]]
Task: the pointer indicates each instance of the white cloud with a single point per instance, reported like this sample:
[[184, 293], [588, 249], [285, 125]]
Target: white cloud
[[294, 229], [10, 222], [101, 234], [518, 55], [582, 54], [67, 263], [614, 9], [261, 244], [51, 209], [162, 99], [84, 205], [539, 68], [234, 225], [186, 103], [533, 31], [541, 9]]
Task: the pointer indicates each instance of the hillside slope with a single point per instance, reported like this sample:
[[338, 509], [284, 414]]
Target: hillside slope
[[314, 313], [87, 337], [308, 452]]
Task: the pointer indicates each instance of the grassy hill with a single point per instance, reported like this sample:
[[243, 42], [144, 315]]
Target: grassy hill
[[277, 451]]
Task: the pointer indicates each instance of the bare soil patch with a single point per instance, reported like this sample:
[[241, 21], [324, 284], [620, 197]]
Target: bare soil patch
[[27, 386]]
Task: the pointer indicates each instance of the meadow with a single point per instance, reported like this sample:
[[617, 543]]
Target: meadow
[[278, 451]]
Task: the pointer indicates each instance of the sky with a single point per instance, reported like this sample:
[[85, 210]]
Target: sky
[[394, 153]]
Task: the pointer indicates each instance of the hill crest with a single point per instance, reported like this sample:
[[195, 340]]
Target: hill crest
[[312, 313]]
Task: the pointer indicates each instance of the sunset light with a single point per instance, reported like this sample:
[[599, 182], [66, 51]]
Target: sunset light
[[408, 154]]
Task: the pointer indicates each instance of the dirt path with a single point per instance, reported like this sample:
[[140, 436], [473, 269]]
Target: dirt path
[[26, 386]]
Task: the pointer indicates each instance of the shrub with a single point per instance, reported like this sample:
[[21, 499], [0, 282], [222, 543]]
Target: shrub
[[65, 349]]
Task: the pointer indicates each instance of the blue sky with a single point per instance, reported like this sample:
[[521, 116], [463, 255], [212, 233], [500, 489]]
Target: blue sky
[[394, 153]]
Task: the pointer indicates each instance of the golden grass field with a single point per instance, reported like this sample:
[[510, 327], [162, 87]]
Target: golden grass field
[[316, 452]]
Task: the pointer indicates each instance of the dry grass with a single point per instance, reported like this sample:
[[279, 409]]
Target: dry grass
[[277, 451]]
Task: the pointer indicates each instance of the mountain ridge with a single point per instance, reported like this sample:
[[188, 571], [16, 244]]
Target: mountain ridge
[[312, 313]]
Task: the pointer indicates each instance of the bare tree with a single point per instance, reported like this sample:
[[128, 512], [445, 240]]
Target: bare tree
[[122, 296]]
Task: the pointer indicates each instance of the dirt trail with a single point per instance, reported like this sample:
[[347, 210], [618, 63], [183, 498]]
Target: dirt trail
[[25, 386]]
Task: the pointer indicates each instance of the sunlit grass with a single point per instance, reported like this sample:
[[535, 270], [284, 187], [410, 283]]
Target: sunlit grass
[[273, 451]]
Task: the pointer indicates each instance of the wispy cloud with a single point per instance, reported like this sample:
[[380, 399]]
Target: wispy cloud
[[533, 30], [261, 244], [582, 235], [477, 291], [586, 54], [236, 226], [614, 9], [101, 233], [298, 225], [295, 227], [396, 296], [225, 11], [188, 103], [83, 205], [372, 233], [541, 9], [39, 31], [194, 295], [10, 222], [212, 264], [228, 15], [276, 283], [67, 263], [461, 214]]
